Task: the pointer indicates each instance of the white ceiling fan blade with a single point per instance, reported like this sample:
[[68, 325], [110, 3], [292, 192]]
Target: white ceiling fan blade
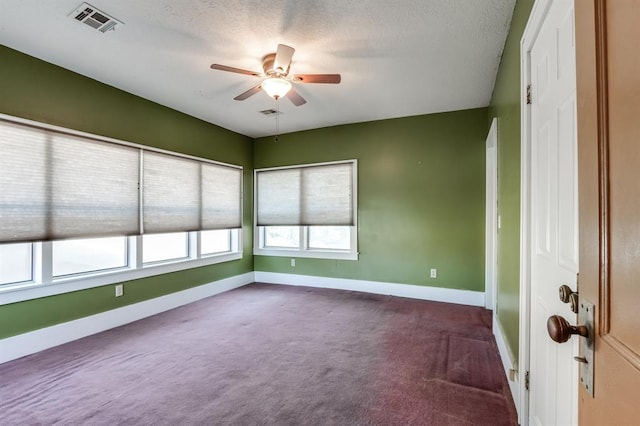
[[317, 78], [234, 69], [250, 92], [283, 58], [295, 97]]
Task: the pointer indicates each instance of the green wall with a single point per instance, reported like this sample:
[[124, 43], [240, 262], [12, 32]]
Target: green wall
[[37, 90], [505, 105], [421, 197], [420, 190]]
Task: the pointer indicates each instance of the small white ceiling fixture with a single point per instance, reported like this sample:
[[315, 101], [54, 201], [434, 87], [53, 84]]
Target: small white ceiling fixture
[[270, 111], [95, 18]]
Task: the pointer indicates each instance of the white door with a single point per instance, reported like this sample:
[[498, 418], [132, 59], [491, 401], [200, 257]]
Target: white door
[[553, 209], [491, 225]]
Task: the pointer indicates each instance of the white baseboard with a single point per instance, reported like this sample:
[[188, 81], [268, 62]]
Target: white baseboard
[[35, 341], [438, 294], [508, 363]]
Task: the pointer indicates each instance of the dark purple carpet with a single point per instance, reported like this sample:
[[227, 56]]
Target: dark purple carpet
[[272, 355]]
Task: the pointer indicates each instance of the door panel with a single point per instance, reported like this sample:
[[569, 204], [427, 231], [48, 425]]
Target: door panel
[[624, 176], [567, 184], [553, 372], [609, 163], [491, 217]]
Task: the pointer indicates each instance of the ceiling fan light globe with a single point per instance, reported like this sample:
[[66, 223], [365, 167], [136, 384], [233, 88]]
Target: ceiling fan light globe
[[276, 87]]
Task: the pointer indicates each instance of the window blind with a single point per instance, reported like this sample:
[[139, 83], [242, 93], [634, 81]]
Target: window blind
[[94, 188], [221, 197], [306, 196], [181, 194], [171, 194], [57, 185], [23, 183]]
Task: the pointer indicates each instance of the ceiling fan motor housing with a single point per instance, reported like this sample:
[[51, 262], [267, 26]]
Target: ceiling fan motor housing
[[267, 66]]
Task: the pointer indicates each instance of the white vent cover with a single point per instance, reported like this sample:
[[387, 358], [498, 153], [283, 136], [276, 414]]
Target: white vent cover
[[270, 112], [95, 18]]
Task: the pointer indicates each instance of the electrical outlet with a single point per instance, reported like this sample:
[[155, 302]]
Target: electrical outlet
[[293, 263], [119, 290], [434, 273]]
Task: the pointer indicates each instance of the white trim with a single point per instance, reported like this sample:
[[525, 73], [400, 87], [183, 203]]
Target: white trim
[[308, 253], [509, 364], [529, 36], [28, 343], [438, 294], [491, 217], [34, 290], [302, 166]]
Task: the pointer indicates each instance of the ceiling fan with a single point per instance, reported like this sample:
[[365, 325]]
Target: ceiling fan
[[277, 81]]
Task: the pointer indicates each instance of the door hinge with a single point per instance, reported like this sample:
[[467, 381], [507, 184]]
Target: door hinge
[[526, 380], [529, 94]]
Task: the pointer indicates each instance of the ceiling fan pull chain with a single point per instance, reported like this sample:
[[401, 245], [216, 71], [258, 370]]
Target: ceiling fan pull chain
[[277, 136]]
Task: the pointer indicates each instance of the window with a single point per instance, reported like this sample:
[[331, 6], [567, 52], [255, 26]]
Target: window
[[47, 268], [163, 247], [307, 211], [81, 211], [307, 241], [15, 263], [281, 237], [329, 237], [89, 255], [218, 241], [84, 263]]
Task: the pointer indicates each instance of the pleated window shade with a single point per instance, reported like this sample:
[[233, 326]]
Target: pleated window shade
[[24, 189], [306, 196], [54, 185], [181, 194], [221, 201], [94, 188], [171, 194]]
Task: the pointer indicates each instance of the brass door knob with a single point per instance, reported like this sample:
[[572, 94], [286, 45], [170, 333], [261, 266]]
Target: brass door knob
[[569, 296], [565, 293], [560, 330]]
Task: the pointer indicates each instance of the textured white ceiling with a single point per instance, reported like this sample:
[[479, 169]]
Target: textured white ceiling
[[397, 58]]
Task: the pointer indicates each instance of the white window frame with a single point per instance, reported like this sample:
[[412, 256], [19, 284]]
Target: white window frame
[[188, 246], [44, 284], [233, 242], [303, 250]]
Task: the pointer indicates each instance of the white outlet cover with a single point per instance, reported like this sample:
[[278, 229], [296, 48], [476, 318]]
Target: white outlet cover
[[119, 290]]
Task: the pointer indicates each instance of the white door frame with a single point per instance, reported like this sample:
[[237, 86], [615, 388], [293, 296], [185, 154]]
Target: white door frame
[[529, 37], [491, 218]]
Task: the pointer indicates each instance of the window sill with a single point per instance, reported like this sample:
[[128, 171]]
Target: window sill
[[26, 291], [313, 254]]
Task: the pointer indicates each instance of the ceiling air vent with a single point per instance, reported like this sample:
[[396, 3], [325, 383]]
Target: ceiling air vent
[[95, 18], [270, 112]]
